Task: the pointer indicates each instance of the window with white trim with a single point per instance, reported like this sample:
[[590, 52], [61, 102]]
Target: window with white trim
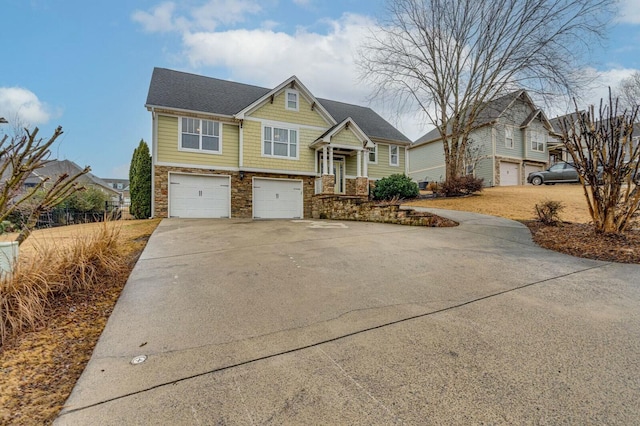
[[200, 135], [373, 155], [508, 137], [537, 141], [278, 142], [394, 157], [291, 99]]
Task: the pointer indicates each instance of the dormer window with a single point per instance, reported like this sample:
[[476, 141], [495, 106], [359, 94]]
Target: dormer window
[[291, 100]]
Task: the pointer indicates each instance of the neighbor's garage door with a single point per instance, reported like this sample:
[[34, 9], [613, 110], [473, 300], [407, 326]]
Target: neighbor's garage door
[[194, 196], [528, 168], [277, 198], [508, 174]]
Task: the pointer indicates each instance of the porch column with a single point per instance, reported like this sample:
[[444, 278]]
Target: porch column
[[365, 164], [324, 160], [330, 160], [359, 164]]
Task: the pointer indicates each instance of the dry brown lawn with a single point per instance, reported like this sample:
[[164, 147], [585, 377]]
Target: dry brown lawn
[[38, 369], [517, 202]]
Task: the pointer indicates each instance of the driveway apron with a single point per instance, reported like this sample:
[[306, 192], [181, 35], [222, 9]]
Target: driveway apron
[[325, 322]]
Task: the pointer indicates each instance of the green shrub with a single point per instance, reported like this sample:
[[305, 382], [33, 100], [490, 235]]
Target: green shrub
[[395, 186], [89, 200], [140, 182], [548, 211], [462, 185]]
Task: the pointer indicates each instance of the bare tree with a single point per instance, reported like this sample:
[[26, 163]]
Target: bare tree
[[628, 91], [607, 159], [19, 158], [448, 58]]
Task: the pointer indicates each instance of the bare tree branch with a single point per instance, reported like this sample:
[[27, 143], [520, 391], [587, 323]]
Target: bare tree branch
[[20, 158], [448, 58], [607, 159]]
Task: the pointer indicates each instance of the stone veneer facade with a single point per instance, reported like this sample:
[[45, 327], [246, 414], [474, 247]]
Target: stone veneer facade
[[241, 189]]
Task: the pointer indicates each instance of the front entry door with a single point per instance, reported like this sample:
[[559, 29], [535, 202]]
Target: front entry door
[[338, 172]]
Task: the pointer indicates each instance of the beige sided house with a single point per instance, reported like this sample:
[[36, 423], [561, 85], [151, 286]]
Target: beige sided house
[[227, 149]]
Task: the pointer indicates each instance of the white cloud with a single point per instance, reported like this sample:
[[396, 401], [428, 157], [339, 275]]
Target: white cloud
[[22, 105], [605, 79], [228, 12], [160, 19], [324, 62], [166, 18], [629, 11]]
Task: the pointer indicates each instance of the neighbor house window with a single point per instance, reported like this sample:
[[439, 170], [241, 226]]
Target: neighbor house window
[[537, 141], [280, 142], [394, 157], [200, 135], [373, 155], [508, 137], [291, 100]]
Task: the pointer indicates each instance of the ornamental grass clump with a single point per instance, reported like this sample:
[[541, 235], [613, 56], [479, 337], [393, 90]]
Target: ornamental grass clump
[[55, 270]]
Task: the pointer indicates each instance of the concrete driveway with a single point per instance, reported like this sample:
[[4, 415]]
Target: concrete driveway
[[304, 322]]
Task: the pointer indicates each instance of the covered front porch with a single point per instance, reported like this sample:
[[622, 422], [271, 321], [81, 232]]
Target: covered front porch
[[342, 158]]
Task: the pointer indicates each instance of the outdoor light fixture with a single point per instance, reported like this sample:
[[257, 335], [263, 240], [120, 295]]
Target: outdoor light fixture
[[241, 175]]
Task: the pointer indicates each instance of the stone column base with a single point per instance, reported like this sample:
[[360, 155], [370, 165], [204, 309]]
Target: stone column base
[[328, 184], [362, 186]]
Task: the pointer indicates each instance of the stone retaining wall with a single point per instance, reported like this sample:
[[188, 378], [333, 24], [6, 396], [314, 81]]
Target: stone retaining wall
[[361, 209]]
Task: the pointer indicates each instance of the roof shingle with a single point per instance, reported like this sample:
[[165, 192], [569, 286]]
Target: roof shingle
[[185, 91]]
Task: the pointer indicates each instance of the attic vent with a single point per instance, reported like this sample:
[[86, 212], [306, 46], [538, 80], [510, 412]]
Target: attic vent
[[293, 84]]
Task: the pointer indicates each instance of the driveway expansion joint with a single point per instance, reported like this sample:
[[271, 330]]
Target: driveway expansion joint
[[325, 341]]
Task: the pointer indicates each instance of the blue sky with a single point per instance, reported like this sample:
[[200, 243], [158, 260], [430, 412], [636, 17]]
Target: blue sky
[[86, 65]]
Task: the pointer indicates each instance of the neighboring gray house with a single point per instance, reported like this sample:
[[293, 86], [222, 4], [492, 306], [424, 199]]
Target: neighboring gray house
[[55, 168], [558, 152], [513, 137]]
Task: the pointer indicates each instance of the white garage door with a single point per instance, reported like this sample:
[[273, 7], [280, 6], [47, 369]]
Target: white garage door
[[277, 198], [194, 196], [528, 168], [508, 174]]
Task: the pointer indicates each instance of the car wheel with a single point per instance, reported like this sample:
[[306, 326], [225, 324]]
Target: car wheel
[[537, 180]]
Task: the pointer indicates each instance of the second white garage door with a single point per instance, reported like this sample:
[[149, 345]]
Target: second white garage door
[[277, 198], [508, 174], [196, 196]]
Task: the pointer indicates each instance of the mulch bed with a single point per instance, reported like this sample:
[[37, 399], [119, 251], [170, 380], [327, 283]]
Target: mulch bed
[[578, 239]]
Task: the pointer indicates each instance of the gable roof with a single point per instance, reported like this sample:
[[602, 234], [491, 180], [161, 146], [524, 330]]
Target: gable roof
[[190, 92], [292, 82], [555, 122], [491, 112], [54, 168], [347, 123], [367, 119]]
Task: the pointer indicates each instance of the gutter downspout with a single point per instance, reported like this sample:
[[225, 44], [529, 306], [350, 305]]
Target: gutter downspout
[[154, 150]]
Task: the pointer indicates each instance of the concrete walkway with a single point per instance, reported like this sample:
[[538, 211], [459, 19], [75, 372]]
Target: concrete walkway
[[321, 322]]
